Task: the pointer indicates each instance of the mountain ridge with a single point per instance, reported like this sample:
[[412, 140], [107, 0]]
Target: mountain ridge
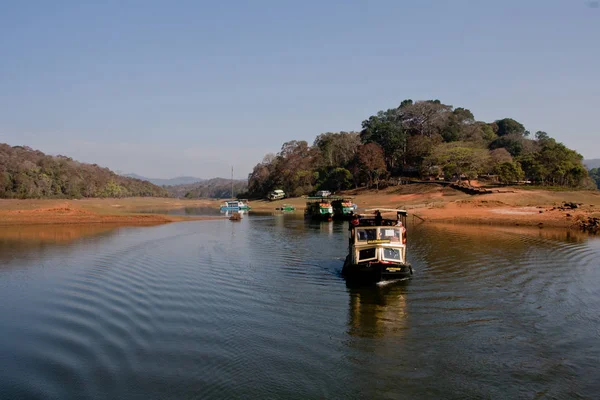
[[592, 163], [178, 180]]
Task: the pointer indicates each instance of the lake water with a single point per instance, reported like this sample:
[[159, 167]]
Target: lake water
[[257, 309]]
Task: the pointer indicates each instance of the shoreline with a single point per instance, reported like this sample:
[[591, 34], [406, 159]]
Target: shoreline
[[432, 203], [438, 204], [125, 212]]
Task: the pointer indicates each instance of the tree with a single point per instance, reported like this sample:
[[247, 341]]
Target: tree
[[425, 117], [385, 129], [512, 143], [338, 179], [500, 155], [509, 126], [337, 149], [509, 172], [370, 163], [29, 173], [541, 136], [459, 159], [554, 164], [595, 175]]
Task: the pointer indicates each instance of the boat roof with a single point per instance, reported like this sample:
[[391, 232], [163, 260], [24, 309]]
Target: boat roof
[[387, 210], [327, 198], [367, 216]]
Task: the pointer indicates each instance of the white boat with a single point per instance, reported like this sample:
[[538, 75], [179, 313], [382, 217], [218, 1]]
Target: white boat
[[377, 247], [235, 205]]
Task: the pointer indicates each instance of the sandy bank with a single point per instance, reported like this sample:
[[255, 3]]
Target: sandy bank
[[431, 202], [443, 204], [93, 211]]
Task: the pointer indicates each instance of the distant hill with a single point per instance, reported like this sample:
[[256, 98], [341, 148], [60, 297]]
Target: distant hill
[[180, 180], [591, 164], [217, 188], [28, 173]]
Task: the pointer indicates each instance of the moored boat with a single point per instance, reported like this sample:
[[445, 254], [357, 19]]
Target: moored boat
[[235, 205], [286, 208], [318, 208], [343, 208], [377, 247]]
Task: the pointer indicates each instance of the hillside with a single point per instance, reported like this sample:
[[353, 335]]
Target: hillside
[[216, 188], [419, 139], [180, 180], [591, 164], [28, 173]]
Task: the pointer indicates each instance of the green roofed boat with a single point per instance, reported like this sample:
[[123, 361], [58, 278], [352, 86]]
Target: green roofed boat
[[318, 208], [343, 208], [286, 208]]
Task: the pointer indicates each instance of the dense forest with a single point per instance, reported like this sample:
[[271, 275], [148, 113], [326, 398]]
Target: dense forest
[[27, 173], [595, 175], [423, 139], [216, 188]]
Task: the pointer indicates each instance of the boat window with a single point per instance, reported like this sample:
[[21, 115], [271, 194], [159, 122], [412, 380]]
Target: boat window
[[391, 254], [366, 254], [392, 234], [366, 234]]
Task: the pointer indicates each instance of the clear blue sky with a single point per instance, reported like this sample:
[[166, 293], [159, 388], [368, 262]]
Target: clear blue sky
[[165, 88]]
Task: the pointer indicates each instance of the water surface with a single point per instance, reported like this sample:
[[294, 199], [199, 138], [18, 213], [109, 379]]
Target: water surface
[[258, 309]]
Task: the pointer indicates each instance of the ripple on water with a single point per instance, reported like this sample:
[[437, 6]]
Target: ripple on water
[[257, 309]]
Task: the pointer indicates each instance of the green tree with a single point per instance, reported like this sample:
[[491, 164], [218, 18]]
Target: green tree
[[338, 179], [512, 143], [509, 172], [459, 159], [385, 129], [509, 126]]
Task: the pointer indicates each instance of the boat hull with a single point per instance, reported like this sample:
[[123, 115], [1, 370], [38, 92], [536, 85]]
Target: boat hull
[[224, 209], [320, 217], [373, 272]]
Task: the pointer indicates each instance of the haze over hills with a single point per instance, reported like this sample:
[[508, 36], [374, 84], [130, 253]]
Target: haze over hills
[[180, 180], [218, 188], [591, 164]]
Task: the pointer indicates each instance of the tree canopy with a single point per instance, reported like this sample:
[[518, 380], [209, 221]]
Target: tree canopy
[[419, 139], [27, 173]]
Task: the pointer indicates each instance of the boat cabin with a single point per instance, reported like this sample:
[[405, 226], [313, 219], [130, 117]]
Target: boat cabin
[[377, 245], [234, 205]]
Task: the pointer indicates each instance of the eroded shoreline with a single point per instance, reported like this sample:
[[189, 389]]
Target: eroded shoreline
[[431, 203]]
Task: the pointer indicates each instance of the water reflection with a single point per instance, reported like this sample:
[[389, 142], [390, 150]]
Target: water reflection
[[257, 309], [378, 311], [29, 241], [187, 211]]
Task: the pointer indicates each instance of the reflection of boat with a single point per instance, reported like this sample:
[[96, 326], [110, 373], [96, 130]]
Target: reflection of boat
[[343, 208], [377, 248], [235, 205], [286, 208], [318, 208], [377, 311], [236, 216]]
